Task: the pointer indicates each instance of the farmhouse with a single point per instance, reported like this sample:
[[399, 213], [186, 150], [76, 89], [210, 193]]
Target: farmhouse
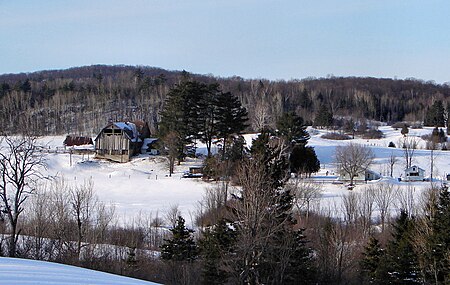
[[414, 173], [121, 140]]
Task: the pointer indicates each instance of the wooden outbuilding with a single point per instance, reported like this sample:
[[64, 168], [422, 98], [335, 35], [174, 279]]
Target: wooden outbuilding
[[72, 140], [121, 140]]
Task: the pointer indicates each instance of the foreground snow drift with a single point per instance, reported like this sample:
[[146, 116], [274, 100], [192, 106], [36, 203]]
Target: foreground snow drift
[[23, 271]]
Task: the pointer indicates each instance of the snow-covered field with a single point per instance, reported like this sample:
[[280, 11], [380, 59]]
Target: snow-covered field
[[25, 272], [143, 187]]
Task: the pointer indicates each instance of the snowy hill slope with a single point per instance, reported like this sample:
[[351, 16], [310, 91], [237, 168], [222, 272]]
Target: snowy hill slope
[[24, 272], [143, 187]]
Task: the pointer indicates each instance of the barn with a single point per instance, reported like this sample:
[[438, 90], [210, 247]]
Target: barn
[[121, 140]]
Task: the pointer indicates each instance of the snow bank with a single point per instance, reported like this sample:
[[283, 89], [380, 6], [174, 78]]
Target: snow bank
[[23, 271]]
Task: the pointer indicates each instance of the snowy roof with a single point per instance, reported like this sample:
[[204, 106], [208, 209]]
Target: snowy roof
[[414, 166], [128, 128]]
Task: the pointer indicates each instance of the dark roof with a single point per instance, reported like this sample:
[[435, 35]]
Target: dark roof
[[75, 140]]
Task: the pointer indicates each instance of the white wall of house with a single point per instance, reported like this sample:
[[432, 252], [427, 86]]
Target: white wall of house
[[414, 173]]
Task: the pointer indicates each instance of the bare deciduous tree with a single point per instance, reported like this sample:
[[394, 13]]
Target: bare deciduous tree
[[405, 200], [366, 204], [82, 205], [409, 145], [20, 165], [392, 161], [384, 196], [350, 207], [353, 159], [305, 193], [260, 116], [172, 215]]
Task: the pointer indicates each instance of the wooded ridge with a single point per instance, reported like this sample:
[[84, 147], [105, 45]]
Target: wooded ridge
[[83, 99]]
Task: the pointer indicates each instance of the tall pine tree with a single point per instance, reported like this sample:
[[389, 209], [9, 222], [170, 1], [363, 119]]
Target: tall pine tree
[[231, 117], [291, 127]]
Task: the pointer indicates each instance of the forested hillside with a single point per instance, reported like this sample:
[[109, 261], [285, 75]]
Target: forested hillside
[[83, 99]]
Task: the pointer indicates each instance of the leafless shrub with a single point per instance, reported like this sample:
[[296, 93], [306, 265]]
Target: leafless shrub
[[336, 136]]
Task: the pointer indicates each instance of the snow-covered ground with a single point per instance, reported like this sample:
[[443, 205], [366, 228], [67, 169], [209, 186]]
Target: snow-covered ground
[[143, 187], [25, 272]]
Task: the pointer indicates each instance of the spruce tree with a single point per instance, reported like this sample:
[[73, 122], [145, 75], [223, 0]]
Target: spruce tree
[[436, 257], [291, 127], [216, 250], [372, 262], [181, 247], [231, 117], [269, 250], [435, 116], [324, 117], [402, 261], [304, 160]]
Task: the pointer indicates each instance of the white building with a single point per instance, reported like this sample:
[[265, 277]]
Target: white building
[[414, 173], [366, 175]]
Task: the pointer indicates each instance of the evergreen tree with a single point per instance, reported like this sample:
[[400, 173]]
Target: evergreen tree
[[437, 263], [273, 159], [371, 263], [208, 116], [181, 247], [268, 249], [402, 261], [300, 268], [231, 117], [303, 159], [179, 116], [324, 117], [216, 250], [435, 116], [291, 127], [448, 118]]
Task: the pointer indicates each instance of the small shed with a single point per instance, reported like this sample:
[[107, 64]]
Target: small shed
[[72, 140], [366, 175], [448, 177], [414, 173], [121, 140], [194, 172]]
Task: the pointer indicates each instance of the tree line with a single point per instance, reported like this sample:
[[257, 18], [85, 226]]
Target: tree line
[[84, 99]]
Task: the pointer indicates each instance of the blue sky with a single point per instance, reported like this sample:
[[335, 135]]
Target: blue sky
[[249, 38]]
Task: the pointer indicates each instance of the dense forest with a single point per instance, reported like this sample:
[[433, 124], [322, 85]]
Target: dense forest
[[82, 100]]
